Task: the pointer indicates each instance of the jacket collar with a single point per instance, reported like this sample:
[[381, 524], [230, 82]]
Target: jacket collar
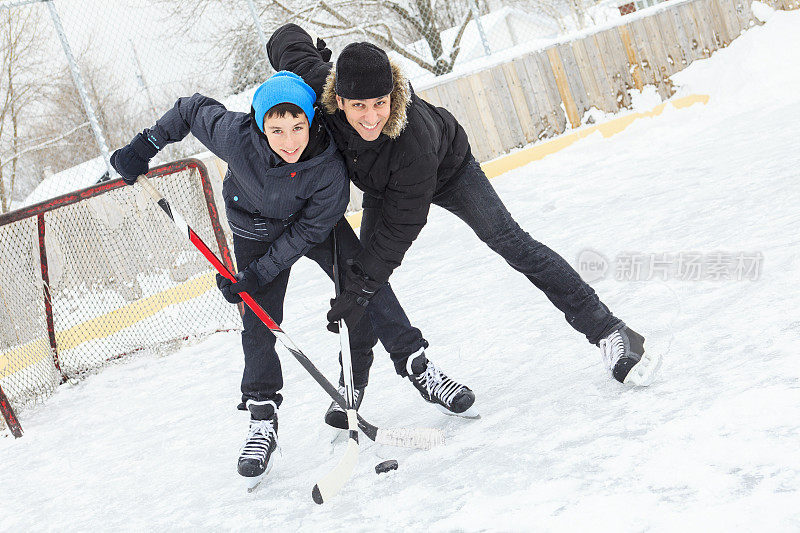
[[398, 113]]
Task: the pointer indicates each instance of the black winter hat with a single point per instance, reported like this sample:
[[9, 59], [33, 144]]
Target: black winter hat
[[363, 71]]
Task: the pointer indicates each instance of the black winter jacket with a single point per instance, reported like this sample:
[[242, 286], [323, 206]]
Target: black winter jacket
[[292, 205], [419, 150]]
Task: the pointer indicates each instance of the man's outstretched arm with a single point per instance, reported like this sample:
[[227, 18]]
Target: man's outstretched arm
[[291, 48]]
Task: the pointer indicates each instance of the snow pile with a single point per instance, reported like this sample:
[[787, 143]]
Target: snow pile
[[761, 67], [762, 11], [712, 445]]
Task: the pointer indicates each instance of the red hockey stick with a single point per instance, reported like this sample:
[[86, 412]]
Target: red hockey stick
[[9, 416], [422, 438]]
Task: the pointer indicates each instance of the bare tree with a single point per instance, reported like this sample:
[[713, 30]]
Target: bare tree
[[60, 136], [554, 10], [392, 24], [396, 25], [112, 108], [250, 66], [23, 82], [235, 42], [560, 11]]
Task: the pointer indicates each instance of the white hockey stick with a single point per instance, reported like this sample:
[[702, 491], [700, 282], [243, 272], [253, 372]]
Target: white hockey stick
[[330, 485]]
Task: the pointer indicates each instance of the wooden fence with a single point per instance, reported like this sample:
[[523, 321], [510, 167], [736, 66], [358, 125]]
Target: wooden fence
[[541, 93]]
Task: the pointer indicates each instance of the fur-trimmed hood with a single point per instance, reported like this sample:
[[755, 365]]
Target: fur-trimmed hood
[[400, 101]]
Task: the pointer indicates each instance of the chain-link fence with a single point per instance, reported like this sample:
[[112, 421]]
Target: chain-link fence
[[81, 77]]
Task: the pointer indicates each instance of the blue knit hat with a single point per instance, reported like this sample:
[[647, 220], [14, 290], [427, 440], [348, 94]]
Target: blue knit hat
[[283, 87]]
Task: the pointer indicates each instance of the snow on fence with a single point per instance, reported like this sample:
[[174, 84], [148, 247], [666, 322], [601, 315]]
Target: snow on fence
[[786, 5], [540, 93]]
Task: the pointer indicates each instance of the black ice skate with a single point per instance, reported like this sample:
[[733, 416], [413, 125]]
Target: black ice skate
[[624, 354], [256, 456], [335, 415], [449, 396]]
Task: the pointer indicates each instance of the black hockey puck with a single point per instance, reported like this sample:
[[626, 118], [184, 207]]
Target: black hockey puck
[[385, 466]]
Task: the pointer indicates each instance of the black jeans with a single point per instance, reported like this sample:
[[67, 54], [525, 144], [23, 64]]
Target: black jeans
[[470, 197], [385, 320]]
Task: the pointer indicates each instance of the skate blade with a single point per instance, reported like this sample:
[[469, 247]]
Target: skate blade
[[471, 413], [252, 483], [645, 371], [338, 435]]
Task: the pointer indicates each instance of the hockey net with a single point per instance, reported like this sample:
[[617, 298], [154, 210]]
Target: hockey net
[[92, 276]]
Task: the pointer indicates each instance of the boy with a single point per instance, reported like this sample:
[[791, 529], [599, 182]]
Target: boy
[[285, 189]]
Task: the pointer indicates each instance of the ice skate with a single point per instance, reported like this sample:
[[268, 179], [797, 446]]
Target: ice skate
[[335, 415], [448, 395], [257, 454], [625, 356]]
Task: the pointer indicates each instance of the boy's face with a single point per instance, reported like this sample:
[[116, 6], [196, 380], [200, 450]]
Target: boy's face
[[287, 135], [366, 116]]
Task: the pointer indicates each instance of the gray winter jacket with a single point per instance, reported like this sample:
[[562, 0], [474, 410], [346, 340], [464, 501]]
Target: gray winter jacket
[[293, 206]]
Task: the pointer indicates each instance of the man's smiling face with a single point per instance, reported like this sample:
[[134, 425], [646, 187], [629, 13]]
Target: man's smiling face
[[368, 117]]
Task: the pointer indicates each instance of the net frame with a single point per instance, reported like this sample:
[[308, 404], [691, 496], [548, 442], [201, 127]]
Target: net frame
[[31, 230]]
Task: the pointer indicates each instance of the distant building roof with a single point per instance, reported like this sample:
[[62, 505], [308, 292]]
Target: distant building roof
[[74, 178]]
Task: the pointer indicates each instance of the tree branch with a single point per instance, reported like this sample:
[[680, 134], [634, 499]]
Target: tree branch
[[335, 14], [44, 144], [405, 15], [400, 50], [457, 41]]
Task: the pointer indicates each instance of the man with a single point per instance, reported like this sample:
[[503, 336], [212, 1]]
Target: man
[[406, 154]]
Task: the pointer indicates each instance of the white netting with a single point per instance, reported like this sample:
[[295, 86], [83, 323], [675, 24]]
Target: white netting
[[121, 279], [26, 359]]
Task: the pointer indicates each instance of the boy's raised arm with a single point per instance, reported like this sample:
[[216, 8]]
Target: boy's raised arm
[[205, 118], [208, 120]]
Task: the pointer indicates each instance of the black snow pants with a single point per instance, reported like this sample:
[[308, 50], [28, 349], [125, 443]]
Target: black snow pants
[[385, 320]]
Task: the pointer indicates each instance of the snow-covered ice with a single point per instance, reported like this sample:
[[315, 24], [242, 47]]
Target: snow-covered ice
[[712, 445]]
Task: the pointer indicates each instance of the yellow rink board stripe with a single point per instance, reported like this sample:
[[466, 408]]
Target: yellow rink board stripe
[[24, 356], [104, 325], [538, 151]]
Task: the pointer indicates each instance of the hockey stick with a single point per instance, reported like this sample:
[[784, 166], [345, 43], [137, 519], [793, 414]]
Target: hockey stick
[[9, 416], [422, 438], [330, 485]]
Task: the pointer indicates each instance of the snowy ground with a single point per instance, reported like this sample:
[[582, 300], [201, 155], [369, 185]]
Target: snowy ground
[[711, 446]]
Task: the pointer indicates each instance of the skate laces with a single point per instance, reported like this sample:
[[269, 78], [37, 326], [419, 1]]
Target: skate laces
[[437, 384], [260, 436], [613, 348], [343, 394]]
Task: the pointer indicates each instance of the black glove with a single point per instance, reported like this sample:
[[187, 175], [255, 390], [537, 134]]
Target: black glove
[[323, 50], [134, 159], [352, 302], [247, 281]]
